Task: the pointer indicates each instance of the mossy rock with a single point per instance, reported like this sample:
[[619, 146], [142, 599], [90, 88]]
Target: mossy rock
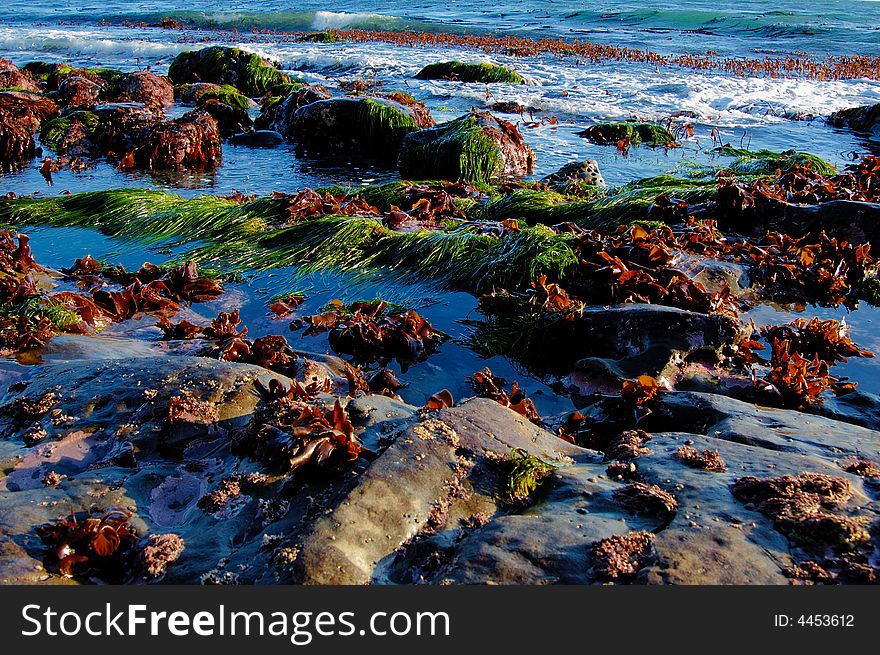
[[767, 162], [470, 72], [650, 134], [55, 129], [320, 37], [39, 69], [246, 71], [366, 126], [477, 147], [277, 113], [227, 95]]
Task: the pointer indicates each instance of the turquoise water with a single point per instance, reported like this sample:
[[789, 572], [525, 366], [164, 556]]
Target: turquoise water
[[834, 26]]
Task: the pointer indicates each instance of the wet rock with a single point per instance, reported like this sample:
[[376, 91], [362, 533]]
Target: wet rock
[[29, 109], [230, 120], [864, 119], [20, 116], [625, 341], [778, 430], [16, 141], [78, 93], [482, 72], [278, 113], [579, 171], [246, 71], [366, 126], [629, 133], [147, 88], [120, 127], [850, 220], [200, 93], [191, 141], [477, 147], [408, 484], [257, 139], [12, 77]]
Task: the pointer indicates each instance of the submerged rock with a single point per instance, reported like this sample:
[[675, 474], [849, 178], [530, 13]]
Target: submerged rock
[[257, 139], [367, 126], [246, 71], [477, 147], [470, 72], [864, 119], [630, 133]]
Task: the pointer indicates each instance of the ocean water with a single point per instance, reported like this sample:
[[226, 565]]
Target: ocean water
[[752, 112]]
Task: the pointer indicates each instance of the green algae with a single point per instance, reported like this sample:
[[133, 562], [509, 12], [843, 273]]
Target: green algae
[[320, 37], [631, 132], [457, 150], [246, 71], [525, 474], [54, 129], [767, 162], [470, 72]]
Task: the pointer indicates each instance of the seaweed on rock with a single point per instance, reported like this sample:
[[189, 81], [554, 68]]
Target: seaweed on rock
[[246, 71], [475, 148], [470, 72]]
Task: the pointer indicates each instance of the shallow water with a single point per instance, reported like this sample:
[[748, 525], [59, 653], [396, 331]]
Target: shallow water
[[745, 112]]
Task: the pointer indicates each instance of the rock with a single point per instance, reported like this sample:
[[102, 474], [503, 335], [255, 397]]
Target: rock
[[477, 147], [278, 113], [396, 497], [121, 126], [189, 94], [16, 141], [427, 505], [777, 430], [20, 116], [366, 126], [621, 342], [113, 414], [230, 119], [191, 141], [29, 109], [148, 88], [12, 77], [137, 137], [246, 71], [630, 132], [864, 119], [71, 134], [55, 74], [78, 93], [257, 139], [850, 220], [470, 72], [716, 539], [577, 171]]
